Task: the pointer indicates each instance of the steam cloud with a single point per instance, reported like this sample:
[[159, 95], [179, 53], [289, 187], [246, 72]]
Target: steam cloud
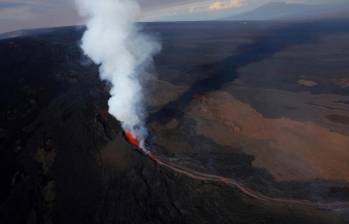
[[115, 42]]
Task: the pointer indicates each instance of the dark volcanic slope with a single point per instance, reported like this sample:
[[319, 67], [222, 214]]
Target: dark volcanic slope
[[63, 158]]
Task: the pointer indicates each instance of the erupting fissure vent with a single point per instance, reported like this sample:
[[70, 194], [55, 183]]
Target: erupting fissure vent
[[131, 138]]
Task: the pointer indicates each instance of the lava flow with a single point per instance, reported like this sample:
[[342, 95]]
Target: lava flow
[[132, 140]]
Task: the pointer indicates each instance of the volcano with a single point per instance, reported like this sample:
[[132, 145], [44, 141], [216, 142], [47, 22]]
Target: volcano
[[217, 111]]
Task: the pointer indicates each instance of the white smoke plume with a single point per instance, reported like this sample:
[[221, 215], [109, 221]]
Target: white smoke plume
[[114, 41]]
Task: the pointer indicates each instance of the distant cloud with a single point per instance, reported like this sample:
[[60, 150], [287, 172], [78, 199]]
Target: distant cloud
[[17, 13], [295, 1], [222, 5], [24, 14], [27, 14], [27, 2], [187, 10]]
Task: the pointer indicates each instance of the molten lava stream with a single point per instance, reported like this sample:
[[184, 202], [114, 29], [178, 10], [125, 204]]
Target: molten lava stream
[[131, 138]]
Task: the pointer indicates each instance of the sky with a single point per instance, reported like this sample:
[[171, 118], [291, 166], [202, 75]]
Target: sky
[[27, 14]]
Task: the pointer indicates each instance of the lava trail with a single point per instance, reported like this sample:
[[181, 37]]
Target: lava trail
[[229, 181], [245, 190]]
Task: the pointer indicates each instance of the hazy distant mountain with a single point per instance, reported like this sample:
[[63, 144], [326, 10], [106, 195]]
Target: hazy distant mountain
[[33, 32], [13, 34], [25, 32], [294, 11]]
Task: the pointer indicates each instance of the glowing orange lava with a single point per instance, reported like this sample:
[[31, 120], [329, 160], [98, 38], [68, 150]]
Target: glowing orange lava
[[131, 138]]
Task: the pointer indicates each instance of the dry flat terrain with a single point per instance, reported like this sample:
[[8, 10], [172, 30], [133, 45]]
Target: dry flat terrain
[[280, 97]]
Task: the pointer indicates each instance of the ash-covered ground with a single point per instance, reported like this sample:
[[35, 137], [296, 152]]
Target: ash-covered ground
[[265, 104]]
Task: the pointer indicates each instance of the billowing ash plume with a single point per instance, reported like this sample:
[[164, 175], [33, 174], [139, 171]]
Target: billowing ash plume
[[115, 42]]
